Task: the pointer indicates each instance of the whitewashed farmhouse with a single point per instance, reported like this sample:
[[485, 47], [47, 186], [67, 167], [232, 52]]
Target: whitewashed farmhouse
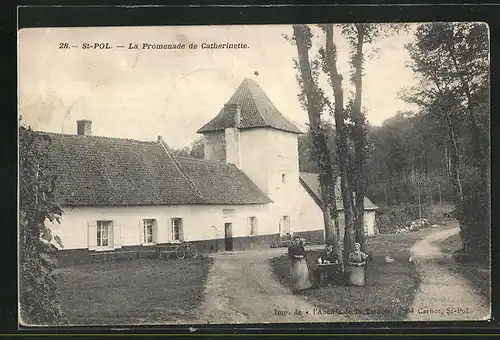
[[122, 194]]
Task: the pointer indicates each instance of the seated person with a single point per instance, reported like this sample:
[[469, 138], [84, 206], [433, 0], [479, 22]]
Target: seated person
[[329, 255]]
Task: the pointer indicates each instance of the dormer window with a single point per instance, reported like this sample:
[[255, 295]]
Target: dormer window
[[283, 178]]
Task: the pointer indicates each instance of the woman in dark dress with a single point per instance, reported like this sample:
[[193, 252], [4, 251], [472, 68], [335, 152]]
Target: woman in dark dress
[[357, 263], [299, 273]]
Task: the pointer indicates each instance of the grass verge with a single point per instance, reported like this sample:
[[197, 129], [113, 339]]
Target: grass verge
[[477, 273], [141, 291], [390, 287]]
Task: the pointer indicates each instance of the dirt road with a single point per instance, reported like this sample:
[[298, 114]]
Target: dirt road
[[443, 294], [241, 289]]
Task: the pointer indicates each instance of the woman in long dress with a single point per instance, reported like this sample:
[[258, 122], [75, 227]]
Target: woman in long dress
[[299, 273], [357, 263]]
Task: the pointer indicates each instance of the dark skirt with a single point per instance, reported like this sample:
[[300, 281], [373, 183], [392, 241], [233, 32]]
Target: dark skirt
[[299, 276]]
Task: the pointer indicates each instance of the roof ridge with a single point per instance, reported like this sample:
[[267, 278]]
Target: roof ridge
[[179, 168], [309, 172], [202, 160], [91, 136]]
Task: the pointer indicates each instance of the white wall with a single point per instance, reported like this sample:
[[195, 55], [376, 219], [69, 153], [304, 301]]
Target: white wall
[[255, 156], [369, 223], [309, 215], [197, 222], [267, 154]]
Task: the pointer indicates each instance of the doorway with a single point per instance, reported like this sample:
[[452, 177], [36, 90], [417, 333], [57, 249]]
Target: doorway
[[228, 236], [285, 225]]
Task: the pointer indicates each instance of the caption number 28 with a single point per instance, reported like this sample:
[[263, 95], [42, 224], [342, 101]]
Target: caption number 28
[[63, 45]]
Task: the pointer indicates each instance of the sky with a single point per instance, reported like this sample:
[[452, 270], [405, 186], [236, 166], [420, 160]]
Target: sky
[[140, 94]]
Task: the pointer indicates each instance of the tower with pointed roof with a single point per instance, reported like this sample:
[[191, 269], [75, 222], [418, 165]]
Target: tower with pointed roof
[[251, 133]]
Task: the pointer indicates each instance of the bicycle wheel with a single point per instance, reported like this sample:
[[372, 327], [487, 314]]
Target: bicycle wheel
[[180, 252], [192, 251], [163, 256]]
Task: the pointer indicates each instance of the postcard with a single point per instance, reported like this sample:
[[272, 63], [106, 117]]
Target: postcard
[[182, 175]]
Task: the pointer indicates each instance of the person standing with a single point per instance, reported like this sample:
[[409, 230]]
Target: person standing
[[357, 262], [299, 272]]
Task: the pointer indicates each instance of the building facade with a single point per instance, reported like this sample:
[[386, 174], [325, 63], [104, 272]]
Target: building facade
[[120, 194]]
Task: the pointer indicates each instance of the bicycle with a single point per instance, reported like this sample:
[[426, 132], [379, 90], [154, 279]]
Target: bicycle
[[180, 250], [186, 248]]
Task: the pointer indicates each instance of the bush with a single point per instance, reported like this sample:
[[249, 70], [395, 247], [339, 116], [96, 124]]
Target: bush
[[389, 219], [38, 294], [475, 229]]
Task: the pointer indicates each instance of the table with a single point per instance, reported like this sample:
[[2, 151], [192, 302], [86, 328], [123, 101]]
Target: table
[[333, 272]]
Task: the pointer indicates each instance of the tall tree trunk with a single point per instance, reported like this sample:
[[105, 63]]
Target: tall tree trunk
[[419, 204], [440, 198], [455, 179], [446, 163], [426, 163], [359, 138], [334, 210], [455, 175], [341, 137], [330, 235], [320, 146]]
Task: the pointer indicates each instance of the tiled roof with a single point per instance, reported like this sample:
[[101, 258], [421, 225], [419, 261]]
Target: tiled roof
[[256, 111], [102, 171], [220, 183], [311, 183]]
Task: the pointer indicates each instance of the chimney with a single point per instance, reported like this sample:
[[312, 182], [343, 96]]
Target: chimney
[[84, 127], [232, 136], [237, 117]]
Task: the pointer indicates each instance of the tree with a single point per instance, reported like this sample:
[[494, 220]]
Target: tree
[[329, 57], [314, 100], [358, 35], [184, 152], [197, 148], [39, 296], [306, 161], [452, 60]]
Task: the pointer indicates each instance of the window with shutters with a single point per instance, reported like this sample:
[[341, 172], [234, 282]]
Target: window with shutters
[[149, 231], [253, 225], [104, 234], [177, 232]]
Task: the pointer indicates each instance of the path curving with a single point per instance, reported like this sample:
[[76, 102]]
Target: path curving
[[241, 288], [443, 294]]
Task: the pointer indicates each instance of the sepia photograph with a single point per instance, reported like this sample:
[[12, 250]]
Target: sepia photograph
[[254, 174]]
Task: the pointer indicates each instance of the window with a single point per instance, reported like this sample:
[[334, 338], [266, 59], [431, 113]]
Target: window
[[228, 213], [104, 235], [253, 225], [149, 231], [104, 230], [177, 229]]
